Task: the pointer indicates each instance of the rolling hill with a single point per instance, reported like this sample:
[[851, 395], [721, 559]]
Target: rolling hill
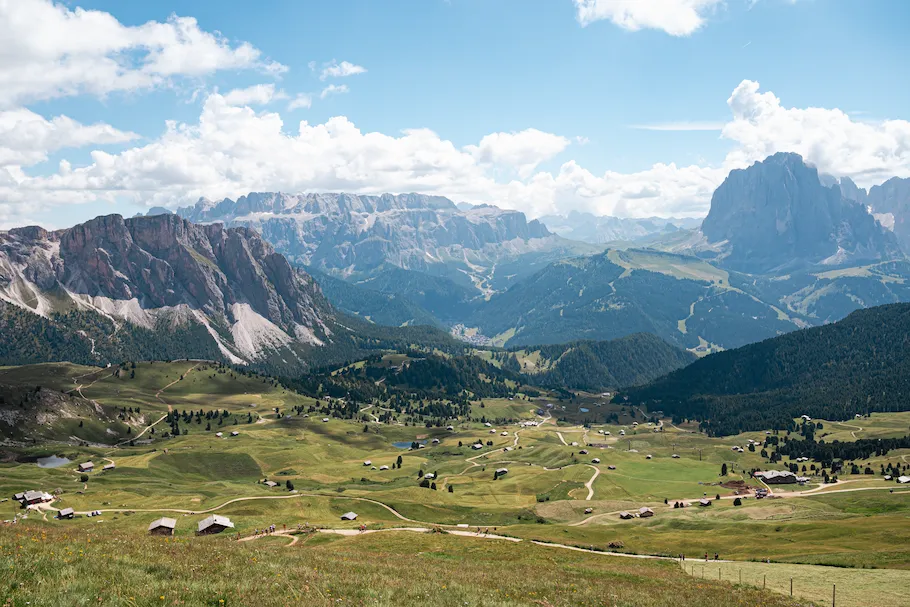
[[858, 365]]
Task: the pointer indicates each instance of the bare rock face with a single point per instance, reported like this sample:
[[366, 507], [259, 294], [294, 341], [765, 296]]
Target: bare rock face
[[350, 232], [144, 269], [777, 215], [892, 198]]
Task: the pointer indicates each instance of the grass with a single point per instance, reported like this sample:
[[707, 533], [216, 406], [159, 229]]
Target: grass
[[854, 587], [325, 462], [403, 569]]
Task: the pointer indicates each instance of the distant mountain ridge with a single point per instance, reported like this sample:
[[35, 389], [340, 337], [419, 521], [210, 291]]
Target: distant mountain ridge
[[349, 235], [596, 229]]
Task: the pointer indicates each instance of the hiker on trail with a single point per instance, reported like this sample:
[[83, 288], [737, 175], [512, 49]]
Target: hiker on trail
[[706, 557], [716, 557]]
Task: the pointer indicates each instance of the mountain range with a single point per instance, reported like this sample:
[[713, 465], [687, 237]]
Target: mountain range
[[599, 229], [482, 247], [292, 279]]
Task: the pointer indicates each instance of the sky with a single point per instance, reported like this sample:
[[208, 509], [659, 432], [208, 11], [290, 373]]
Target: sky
[[632, 108]]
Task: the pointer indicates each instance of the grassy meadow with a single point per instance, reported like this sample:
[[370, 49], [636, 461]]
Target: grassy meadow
[[551, 492]]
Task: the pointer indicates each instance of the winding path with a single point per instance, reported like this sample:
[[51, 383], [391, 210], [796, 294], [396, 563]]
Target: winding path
[[590, 483]]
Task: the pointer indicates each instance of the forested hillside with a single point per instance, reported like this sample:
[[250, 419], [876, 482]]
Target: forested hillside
[[858, 365], [599, 365]]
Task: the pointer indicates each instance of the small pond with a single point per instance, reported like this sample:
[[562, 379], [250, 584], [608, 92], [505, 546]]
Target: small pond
[[52, 461], [406, 444]]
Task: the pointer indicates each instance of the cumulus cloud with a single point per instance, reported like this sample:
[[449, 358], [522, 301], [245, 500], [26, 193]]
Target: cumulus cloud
[[341, 70], [258, 94], [51, 51], [522, 151], [675, 17], [334, 89], [301, 101], [26, 138], [867, 152], [233, 149]]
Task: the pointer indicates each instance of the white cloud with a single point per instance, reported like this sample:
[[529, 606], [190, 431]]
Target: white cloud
[[232, 150], [867, 152], [341, 70], [26, 138], [334, 89], [522, 151], [51, 51], [301, 101], [675, 17], [258, 94]]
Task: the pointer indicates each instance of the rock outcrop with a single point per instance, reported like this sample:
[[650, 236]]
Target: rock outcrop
[[777, 215]]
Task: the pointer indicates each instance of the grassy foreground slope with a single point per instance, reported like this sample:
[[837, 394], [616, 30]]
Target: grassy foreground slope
[[43, 563]]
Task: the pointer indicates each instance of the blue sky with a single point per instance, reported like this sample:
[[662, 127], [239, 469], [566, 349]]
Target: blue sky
[[466, 69]]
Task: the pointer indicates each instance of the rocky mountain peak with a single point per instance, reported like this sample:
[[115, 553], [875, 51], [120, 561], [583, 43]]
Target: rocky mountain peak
[[777, 214], [147, 269]]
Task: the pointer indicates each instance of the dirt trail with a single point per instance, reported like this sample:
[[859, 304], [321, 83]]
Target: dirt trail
[[590, 483], [853, 433]]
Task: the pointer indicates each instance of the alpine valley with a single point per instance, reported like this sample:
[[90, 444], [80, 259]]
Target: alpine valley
[[782, 248]]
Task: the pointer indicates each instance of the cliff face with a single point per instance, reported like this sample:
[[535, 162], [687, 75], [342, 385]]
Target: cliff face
[[777, 215], [890, 202], [147, 269], [350, 233]]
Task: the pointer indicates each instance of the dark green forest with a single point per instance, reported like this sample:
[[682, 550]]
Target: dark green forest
[[858, 365], [599, 365]]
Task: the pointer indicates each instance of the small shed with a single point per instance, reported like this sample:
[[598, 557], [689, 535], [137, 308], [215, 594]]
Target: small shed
[[675, 456], [429, 475], [325, 419], [583, 452], [625, 515], [903, 479], [367, 463], [213, 524], [270, 484], [647, 457], [450, 428], [163, 526], [435, 441], [66, 513], [383, 467], [349, 516], [235, 433], [86, 467], [611, 467], [704, 502], [589, 510], [645, 512], [596, 460], [477, 446], [219, 434], [501, 471], [109, 466]]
